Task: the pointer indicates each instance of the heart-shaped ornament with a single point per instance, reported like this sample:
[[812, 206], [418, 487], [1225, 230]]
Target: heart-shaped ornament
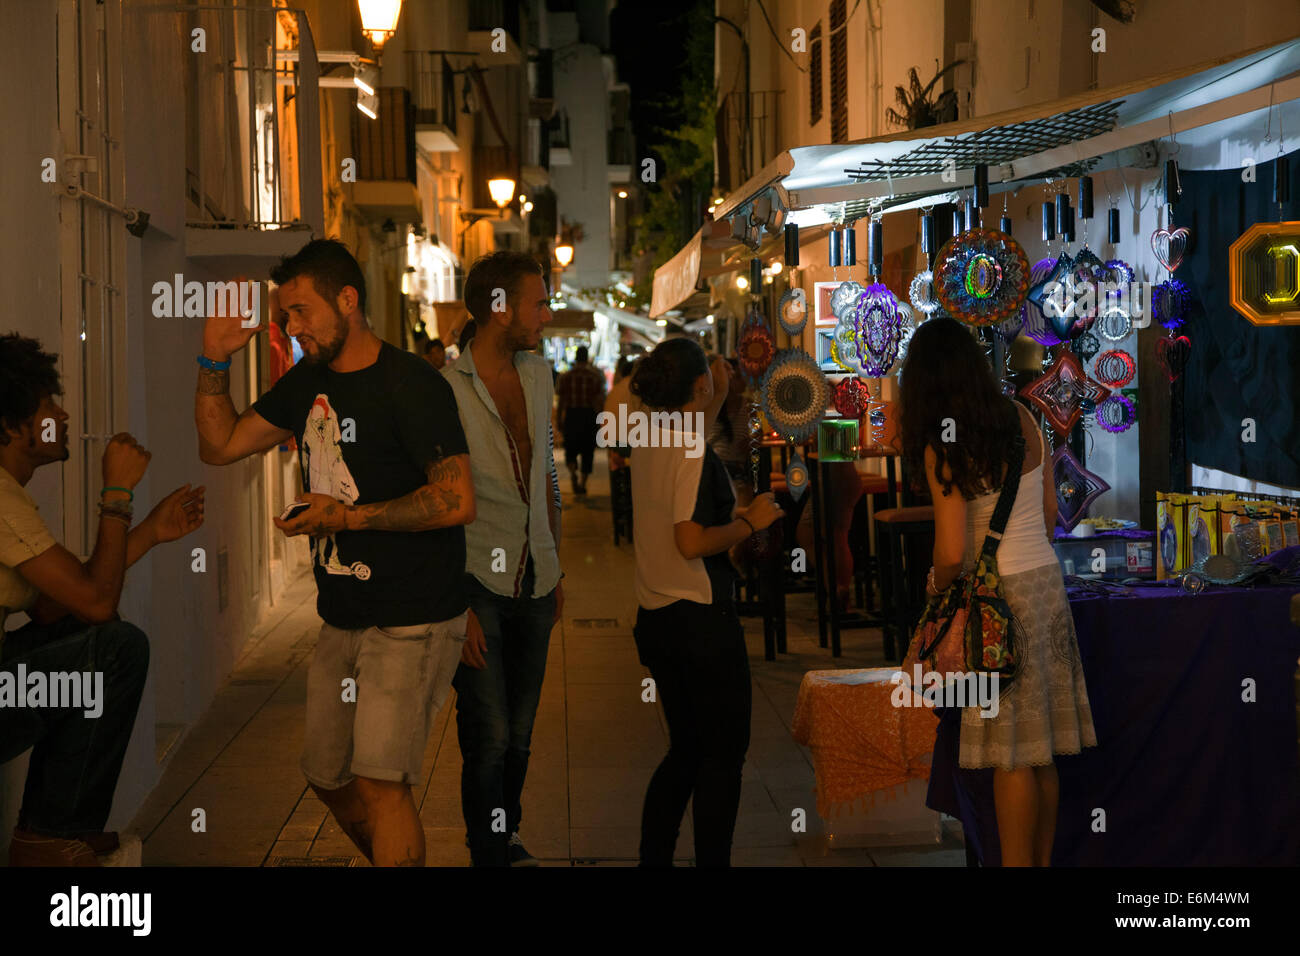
[[1170, 245], [1173, 354]]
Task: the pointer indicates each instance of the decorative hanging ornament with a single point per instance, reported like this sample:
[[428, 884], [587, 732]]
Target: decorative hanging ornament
[[1169, 245], [877, 330], [1170, 301], [1076, 487], [982, 277], [844, 297], [850, 397], [1058, 393], [1119, 273], [921, 294], [1043, 281], [1116, 414], [1086, 346], [756, 348], [795, 394], [1089, 268], [1114, 368], [1115, 323], [792, 312], [1173, 354], [796, 477], [906, 326]]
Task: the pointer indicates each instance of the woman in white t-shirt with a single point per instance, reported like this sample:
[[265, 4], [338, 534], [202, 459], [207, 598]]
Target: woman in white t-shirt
[[687, 631], [946, 384]]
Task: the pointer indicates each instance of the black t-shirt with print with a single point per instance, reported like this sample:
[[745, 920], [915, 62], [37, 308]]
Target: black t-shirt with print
[[715, 503], [367, 436]]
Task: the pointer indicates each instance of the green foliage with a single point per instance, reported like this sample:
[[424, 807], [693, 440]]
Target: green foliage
[[683, 155]]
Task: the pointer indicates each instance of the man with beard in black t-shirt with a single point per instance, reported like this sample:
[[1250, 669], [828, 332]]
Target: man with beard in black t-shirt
[[386, 475]]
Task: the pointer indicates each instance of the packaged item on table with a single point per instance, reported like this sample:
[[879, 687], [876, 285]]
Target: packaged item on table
[[1200, 539], [1290, 531], [1270, 533], [1172, 539], [1212, 511]]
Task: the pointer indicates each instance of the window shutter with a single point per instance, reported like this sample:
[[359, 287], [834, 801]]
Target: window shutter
[[839, 73], [815, 76]]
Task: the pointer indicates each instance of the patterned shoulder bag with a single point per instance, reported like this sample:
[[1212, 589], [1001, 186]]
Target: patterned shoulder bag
[[970, 627]]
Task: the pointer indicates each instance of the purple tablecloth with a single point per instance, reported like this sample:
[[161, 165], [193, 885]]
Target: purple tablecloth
[[1185, 770]]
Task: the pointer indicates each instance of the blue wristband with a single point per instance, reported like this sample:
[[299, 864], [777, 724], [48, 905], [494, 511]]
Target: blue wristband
[[212, 366]]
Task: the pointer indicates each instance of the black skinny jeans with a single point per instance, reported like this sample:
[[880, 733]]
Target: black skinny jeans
[[697, 656]]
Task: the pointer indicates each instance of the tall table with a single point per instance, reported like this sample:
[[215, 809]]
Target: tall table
[[1193, 700]]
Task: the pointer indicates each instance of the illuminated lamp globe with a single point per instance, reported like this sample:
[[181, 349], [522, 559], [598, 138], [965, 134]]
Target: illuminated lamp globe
[[379, 19], [502, 189], [564, 255]]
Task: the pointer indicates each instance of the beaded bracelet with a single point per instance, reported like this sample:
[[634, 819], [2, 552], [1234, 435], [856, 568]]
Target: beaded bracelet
[[130, 494], [122, 514]]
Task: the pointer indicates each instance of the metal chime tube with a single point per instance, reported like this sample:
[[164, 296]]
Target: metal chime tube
[[834, 250], [850, 246], [1062, 213], [1085, 197], [1005, 225], [791, 245], [972, 214], [958, 222], [1281, 179], [755, 275], [1172, 186], [981, 185], [927, 235], [1049, 222], [876, 246], [1112, 226], [1069, 223]]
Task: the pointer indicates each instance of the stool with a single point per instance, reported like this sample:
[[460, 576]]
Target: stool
[[863, 545], [902, 573], [620, 497]]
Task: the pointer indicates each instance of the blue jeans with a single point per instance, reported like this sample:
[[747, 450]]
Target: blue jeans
[[495, 709], [75, 759]]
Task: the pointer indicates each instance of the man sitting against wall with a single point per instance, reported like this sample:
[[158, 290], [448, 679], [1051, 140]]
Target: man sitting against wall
[[77, 750]]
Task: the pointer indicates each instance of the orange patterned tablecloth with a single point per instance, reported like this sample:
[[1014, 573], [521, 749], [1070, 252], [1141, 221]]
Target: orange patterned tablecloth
[[861, 742]]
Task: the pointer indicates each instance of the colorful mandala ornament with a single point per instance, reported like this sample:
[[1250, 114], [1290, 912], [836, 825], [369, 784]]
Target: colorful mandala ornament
[[1116, 414], [792, 311], [795, 394], [796, 476], [1114, 368], [850, 397], [1170, 301], [877, 327], [1076, 487], [1057, 394], [921, 293], [982, 278], [756, 348], [1043, 279], [1119, 273]]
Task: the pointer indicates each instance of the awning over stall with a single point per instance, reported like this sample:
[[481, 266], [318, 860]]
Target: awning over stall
[[679, 279]]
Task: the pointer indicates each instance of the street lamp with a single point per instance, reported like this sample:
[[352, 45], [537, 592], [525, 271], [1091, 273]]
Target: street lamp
[[564, 255], [502, 189], [379, 19]]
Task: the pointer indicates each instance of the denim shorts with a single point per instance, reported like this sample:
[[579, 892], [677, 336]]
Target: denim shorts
[[402, 675]]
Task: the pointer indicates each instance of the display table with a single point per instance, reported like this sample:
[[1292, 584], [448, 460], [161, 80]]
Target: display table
[[861, 743], [1186, 772]]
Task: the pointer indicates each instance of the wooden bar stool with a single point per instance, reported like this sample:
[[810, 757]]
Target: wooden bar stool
[[899, 534]]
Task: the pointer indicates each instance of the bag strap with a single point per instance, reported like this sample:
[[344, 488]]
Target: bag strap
[[1006, 500]]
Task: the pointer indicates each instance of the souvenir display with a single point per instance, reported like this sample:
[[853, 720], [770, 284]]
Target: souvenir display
[[1059, 392], [1169, 245], [792, 312], [1116, 414], [795, 394], [1264, 273], [756, 348], [1114, 368], [1076, 487], [982, 276], [1170, 301], [921, 293]]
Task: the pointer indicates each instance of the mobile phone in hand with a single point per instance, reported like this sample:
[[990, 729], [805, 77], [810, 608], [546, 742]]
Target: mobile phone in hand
[[295, 509]]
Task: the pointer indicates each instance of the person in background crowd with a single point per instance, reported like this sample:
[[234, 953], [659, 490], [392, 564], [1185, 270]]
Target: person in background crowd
[[729, 436], [620, 395], [504, 393], [435, 353], [687, 631], [388, 500], [946, 379], [581, 394], [74, 628]]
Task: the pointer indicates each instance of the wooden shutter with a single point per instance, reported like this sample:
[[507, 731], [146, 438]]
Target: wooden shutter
[[839, 73], [815, 75]]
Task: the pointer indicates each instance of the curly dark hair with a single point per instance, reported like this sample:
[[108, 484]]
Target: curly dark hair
[[666, 377], [27, 376], [946, 376]]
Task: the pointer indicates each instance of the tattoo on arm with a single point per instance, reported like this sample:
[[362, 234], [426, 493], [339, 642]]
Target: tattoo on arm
[[436, 504], [213, 382]]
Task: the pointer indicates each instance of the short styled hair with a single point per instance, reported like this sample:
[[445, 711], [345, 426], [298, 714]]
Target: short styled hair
[[502, 269], [581, 355], [434, 344], [330, 267], [27, 375]]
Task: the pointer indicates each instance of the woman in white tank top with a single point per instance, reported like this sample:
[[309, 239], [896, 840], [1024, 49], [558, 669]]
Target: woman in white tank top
[[958, 430]]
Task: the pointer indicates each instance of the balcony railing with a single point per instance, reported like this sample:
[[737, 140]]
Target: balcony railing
[[433, 89], [748, 133]]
